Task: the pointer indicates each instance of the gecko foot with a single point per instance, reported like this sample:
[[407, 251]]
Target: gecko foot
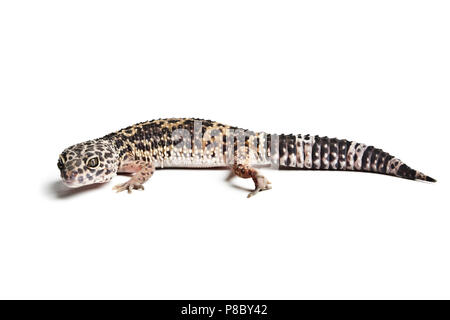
[[261, 184], [129, 185]]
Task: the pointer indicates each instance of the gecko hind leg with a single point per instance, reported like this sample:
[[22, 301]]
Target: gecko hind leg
[[142, 172], [246, 171]]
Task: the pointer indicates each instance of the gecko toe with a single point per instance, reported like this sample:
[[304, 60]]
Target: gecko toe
[[129, 186]]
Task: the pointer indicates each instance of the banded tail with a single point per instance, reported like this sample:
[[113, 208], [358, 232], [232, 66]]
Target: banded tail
[[323, 153]]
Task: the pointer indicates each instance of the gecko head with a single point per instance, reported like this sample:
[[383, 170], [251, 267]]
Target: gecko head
[[94, 161]]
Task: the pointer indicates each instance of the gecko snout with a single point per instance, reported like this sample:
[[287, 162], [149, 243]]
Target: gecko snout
[[69, 176], [72, 175], [72, 179]]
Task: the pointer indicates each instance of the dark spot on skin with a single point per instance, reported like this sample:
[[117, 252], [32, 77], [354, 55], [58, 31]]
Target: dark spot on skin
[[80, 179], [269, 141], [325, 150], [374, 158], [78, 162], [89, 176], [316, 153], [207, 123], [334, 145], [80, 171], [140, 146], [366, 157], [332, 157], [99, 172], [341, 153], [292, 147], [119, 143], [383, 164], [406, 172]]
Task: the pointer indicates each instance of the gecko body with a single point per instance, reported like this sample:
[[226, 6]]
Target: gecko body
[[194, 143]]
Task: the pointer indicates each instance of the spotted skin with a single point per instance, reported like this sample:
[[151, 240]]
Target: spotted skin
[[336, 154], [194, 143], [78, 166]]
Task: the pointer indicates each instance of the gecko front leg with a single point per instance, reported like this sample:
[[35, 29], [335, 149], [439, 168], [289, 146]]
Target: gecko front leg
[[142, 172]]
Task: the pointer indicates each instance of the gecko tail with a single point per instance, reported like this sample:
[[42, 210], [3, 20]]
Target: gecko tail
[[323, 153], [406, 172], [423, 177]]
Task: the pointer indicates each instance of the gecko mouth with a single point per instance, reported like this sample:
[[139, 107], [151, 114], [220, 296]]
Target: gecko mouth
[[72, 183], [72, 179]]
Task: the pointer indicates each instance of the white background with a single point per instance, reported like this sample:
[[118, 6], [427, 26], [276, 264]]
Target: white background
[[376, 72]]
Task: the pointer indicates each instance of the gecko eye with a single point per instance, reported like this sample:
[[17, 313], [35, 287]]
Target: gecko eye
[[93, 162], [60, 164]]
